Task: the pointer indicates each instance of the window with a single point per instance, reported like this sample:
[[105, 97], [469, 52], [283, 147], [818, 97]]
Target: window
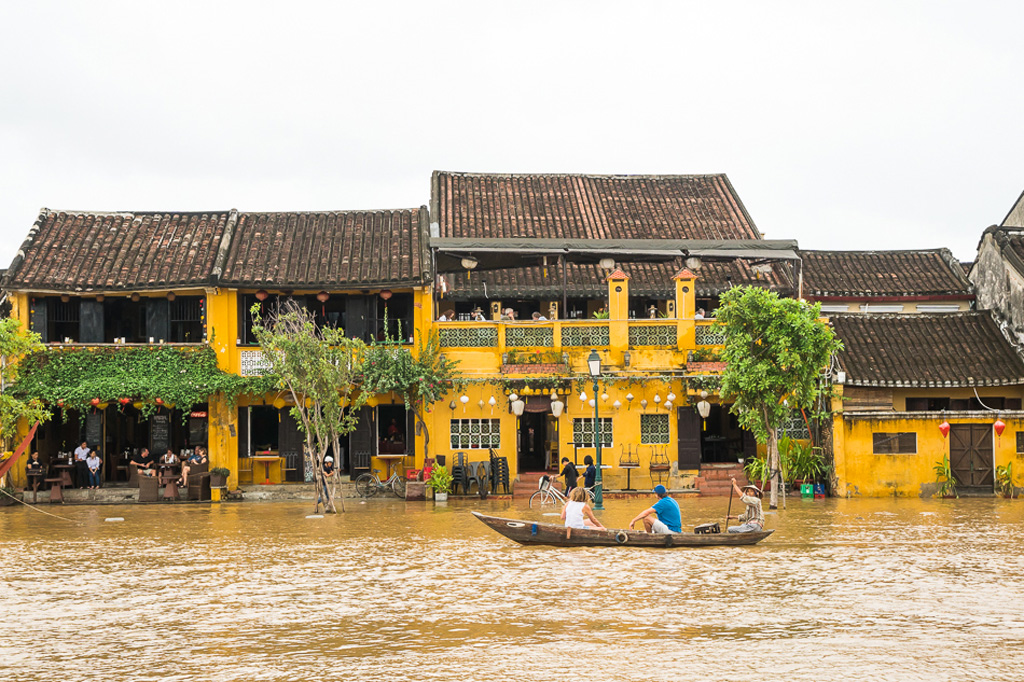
[[938, 308], [795, 426], [880, 308], [583, 432], [902, 443], [1020, 441], [187, 319], [475, 434], [63, 320], [835, 308], [654, 429]]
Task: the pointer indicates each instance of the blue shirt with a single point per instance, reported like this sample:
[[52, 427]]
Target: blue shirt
[[668, 513]]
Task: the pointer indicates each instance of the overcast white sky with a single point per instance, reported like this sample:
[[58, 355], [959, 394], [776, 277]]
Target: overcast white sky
[[843, 125]]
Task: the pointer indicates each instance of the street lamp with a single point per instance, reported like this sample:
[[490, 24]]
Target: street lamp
[[594, 364]]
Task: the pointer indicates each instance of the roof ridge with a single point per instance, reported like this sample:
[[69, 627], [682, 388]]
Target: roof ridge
[[484, 174]]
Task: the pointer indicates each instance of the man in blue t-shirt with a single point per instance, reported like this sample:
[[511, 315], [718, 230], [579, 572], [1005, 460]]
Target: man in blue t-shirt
[[663, 516]]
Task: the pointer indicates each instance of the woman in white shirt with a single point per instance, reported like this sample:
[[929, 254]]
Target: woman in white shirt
[[576, 513]]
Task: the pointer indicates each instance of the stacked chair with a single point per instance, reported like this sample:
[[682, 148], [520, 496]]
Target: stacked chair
[[499, 473]]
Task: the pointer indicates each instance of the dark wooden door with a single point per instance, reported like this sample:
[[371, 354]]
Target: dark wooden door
[[970, 454], [689, 438], [532, 456], [361, 441], [290, 441]]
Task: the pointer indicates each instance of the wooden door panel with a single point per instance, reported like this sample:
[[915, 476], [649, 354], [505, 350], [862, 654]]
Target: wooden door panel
[[970, 454]]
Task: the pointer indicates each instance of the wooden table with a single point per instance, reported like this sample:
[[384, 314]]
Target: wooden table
[[266, 460], [56, 494], [389, 459], [629, 470], [65, 474]]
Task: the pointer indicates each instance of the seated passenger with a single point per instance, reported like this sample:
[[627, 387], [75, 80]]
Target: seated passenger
[[752, 519], [663, 516], [577, 513]]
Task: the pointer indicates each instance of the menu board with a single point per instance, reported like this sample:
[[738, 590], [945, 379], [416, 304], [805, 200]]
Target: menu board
[[94, 429], [197, 428], [159, 433]]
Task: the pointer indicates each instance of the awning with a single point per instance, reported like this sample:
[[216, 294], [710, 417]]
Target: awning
[[494, 254]]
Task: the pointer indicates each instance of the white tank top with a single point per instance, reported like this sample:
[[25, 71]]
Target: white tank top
[[574, 515]]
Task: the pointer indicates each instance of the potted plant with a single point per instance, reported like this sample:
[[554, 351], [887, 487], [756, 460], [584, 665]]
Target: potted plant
[[1004, 480], [219, 477], [944, 477], [441, 482]]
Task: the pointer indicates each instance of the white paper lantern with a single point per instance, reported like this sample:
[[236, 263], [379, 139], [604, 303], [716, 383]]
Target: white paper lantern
[[517, 407], [464, 400], [668, 404], [512, 397], [616, 404], [492, 402], [591, 402], [670, 397], [604, 397], [657, 398], [556, 408], [583, 397], [643, 403]]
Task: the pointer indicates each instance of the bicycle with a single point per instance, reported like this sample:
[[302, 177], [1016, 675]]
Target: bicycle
[[368, 485], [546, 494]]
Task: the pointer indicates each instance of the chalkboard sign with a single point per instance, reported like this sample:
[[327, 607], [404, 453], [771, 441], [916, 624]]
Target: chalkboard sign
[[197, 428], [94, 429], [159, 433]]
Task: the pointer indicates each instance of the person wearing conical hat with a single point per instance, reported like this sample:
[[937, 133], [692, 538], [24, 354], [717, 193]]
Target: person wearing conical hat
[[752, 519]]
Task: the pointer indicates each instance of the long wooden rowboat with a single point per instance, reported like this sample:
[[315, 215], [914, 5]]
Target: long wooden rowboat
[[539, 533]]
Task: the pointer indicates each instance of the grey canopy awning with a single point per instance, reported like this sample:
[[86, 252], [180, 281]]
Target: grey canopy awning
[[494, 254]]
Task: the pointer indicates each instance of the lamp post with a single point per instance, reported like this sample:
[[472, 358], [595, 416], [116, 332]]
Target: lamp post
[[594, 364]]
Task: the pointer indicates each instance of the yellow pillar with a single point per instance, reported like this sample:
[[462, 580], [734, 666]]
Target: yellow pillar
[[839, 441], [686, 307], [618, 311]]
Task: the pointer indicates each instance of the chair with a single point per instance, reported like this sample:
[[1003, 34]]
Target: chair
[[420, 474], [199, 481], [244, 470], [499, 473], [660, 465], [460, 473], [149, 489]]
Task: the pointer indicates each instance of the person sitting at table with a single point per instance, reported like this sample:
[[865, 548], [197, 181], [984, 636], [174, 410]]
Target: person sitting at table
[[92, 463], [537, 317], [477, 315], [197, 457], [143, 463], [447, 316], [81, 470], [34, 470], [169, 459], [590, 474]]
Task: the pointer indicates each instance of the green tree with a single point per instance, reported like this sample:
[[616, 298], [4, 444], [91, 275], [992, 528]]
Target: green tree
[[775, 352], [15, 343], [319, 367]]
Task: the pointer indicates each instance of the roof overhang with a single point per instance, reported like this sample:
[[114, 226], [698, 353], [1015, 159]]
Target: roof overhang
[[494, 254]]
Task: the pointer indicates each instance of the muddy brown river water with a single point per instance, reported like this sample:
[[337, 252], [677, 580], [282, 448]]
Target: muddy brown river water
[[844, 590]]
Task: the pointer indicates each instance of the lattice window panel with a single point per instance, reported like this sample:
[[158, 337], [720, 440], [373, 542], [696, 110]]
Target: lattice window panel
[[588, 335], [794, 426], [475, 434], [529, 337], [652, 335], [710, 335], [654, 429], [583, 432], [469, 337]]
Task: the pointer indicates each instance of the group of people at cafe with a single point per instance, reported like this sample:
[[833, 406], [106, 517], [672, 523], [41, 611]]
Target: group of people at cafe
[[148, 464], [86, 465]]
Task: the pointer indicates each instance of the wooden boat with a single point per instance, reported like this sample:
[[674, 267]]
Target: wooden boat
[[540, 533]]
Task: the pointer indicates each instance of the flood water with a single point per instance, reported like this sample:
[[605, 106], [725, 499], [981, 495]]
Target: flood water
[[845, 589]]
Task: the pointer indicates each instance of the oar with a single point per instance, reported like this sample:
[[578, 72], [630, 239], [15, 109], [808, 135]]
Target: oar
[[732, 489]]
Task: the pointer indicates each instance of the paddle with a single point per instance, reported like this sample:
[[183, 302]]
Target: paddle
[[729, 512]]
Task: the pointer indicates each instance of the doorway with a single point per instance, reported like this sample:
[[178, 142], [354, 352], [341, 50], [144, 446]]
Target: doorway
[[971, 454], [532, 439]]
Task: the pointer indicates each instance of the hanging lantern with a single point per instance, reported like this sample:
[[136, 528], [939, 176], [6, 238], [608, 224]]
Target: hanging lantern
[[643, 403], [527, 390], [556, 408], [583, 397], [323, 297], [60, 403], [135, 298], [591, 402], [517, 407], [703, 394], [999, 426], [604, 397], [159, 401], [704, 409], [124, 401], [554, 395], [170, 296], [944, 428], [464, 400], [94, 402], [137, 405], [668, 404], [629, 400], [386, 294], [279, 403], [480, 404], [657, 398], [451, 406], [512, 397], [492, 402], [616, 404], [670, 397], [262, 295]]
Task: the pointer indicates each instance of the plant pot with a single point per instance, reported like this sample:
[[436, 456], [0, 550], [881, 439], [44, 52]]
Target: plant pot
[[218, 481], [440, 497]]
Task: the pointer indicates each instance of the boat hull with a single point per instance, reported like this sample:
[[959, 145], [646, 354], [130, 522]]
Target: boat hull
[[539, 533]]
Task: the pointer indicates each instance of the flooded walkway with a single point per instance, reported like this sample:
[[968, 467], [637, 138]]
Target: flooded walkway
[[845, 589]]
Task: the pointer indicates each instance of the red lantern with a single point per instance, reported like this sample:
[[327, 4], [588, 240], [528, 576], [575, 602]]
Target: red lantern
[[124, 401], [159, 401], [999, 426], [944, 427], [95, 402], [386, 294], [323, 297], [60, 403], [262, 295]]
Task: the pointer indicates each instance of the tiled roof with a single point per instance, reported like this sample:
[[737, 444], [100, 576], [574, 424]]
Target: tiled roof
[[947, 350], [329, 249], [84, 251], [589, 280], [883, 273], [496, 205]]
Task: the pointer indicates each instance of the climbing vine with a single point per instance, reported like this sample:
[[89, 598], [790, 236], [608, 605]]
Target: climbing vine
[[73, 378]]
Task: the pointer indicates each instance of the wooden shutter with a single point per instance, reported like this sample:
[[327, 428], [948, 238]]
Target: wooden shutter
[[689, 438], [361, 440], [243, 432], [90, 322], [410, 432], [356, 323], [158, 317], [38, 319], [290, 442]]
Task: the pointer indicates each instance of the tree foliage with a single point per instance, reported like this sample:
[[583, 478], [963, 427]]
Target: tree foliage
[[15, 344], [775, 352]]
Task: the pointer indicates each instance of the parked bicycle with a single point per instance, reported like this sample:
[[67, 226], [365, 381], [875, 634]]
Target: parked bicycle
[[548, 494], [368, 485]]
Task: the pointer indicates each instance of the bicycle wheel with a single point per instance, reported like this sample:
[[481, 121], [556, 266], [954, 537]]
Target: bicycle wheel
[[540, 498], [366, 485], [590, 494], [398, 486]]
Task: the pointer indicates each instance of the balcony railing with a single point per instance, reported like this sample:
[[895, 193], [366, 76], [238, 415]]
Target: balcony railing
[[539, 336], [709, 333]]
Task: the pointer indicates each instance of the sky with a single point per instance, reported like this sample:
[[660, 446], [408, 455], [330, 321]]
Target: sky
[[869, 125]]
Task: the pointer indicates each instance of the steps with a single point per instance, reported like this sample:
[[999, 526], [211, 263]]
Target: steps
[[713, 480], [527, 483]]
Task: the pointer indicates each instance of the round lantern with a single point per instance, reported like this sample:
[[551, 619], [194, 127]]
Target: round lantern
[[629, 400], [60, 403], [386, 294], [583, 397], [512, 397], [657, 398], [464, 400], [262, 295], [323, 297], [159, 401], [668, 404], [556, 408], [944, 428], [591, 402], [617, 404], [604, 397], [643, 403], [124, 401], [670, 397], [999, 426], [517, 407], [94, 402]]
